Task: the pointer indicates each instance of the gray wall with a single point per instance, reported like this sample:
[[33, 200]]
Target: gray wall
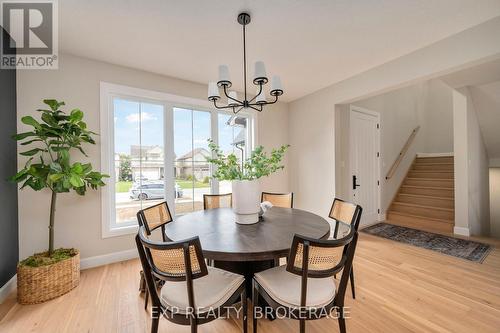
[[9, 245]]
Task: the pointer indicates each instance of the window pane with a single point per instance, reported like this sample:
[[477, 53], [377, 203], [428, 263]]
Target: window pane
[[191, 170], [150, 170], [139, 167], [127, 135]]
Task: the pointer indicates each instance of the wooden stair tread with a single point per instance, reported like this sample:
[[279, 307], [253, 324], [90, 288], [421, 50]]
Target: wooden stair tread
[[422, 206], [426, 196], [432, 171], [438, 163], [429, 187], [392, 212], [431, 179]]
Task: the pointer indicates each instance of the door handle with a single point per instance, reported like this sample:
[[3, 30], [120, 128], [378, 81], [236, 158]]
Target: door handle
[[354, 182]]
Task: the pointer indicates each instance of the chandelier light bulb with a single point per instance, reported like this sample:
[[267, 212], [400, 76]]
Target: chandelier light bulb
[[213, 91], [224, 75], [260, 76], [276, 87], [261, 98]]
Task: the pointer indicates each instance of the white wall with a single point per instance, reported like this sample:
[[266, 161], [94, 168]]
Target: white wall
[[78, 220], [428, 105], [471, 168], [461, 156], [495, 202], [437, 118], [312, 118], [399, 115]]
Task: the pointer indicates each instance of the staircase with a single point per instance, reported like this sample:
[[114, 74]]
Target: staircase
[[425, 200]]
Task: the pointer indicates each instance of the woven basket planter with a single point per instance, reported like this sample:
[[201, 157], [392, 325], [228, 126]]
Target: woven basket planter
[[40, 284]]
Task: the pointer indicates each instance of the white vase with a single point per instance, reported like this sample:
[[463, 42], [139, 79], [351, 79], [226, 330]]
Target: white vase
[[246, 201]]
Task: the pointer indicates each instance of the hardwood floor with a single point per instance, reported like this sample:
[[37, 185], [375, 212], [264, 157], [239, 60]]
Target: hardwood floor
[[400, 288]]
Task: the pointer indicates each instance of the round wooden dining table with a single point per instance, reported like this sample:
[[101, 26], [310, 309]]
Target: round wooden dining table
[[247, 249]]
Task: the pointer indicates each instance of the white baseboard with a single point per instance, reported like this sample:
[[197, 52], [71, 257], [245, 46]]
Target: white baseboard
[[8, 288], [109, 258], [461, 231], [435, 154]]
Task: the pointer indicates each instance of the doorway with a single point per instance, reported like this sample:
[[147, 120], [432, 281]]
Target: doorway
[[365, 162]]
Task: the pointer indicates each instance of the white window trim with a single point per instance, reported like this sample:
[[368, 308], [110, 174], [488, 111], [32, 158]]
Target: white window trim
[[108, 91]]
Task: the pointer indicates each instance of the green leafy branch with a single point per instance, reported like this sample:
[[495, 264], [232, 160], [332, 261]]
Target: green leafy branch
[[259, 165]]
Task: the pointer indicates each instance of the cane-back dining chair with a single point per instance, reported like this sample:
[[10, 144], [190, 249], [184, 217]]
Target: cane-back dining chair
[[305, 289], [192, 293], [347, 215], [153, 218], [284, 200], [212, 201]]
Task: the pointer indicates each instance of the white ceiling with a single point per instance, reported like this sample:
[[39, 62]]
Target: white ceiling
[[310, 43]]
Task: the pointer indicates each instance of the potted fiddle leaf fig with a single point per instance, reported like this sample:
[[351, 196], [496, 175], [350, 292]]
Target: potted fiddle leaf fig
[[244, 177], [50, 143]]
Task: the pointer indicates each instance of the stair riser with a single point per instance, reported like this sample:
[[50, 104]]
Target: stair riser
[[421, 224], [424, 212], [429, 174], [433, 167], [430, 183], [445, 193], [446, 159], [433, 202]]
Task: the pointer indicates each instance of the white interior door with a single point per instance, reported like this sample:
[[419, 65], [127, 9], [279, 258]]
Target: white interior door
[[364, 161]]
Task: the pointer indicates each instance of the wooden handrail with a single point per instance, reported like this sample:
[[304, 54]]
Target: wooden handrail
[[402, 154]]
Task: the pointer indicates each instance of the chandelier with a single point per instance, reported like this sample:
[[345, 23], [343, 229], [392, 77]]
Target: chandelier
[[258, 101]]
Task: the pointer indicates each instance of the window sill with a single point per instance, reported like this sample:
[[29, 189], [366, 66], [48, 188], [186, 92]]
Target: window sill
[[119, 231]]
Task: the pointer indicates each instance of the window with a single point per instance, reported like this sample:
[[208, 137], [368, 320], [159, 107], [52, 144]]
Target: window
[[139, 160], [144, 131]]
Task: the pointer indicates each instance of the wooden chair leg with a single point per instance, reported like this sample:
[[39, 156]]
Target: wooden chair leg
[[146, 298], [154, 324], [255, 301], [244, 309], [142, 283], [302, 326], [341, 320], [194, 327], [352, 283]]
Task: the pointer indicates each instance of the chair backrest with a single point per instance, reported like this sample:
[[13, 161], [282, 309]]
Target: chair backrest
[[316, 258], [346, 213], [154, 217], [284, 200], [171, 261], [212, 201]]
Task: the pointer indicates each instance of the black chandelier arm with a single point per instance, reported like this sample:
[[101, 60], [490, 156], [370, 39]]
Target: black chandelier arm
[[266, 103], [236, 111], [252, 106], [233, 99], [222, 107], [260, 91]]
